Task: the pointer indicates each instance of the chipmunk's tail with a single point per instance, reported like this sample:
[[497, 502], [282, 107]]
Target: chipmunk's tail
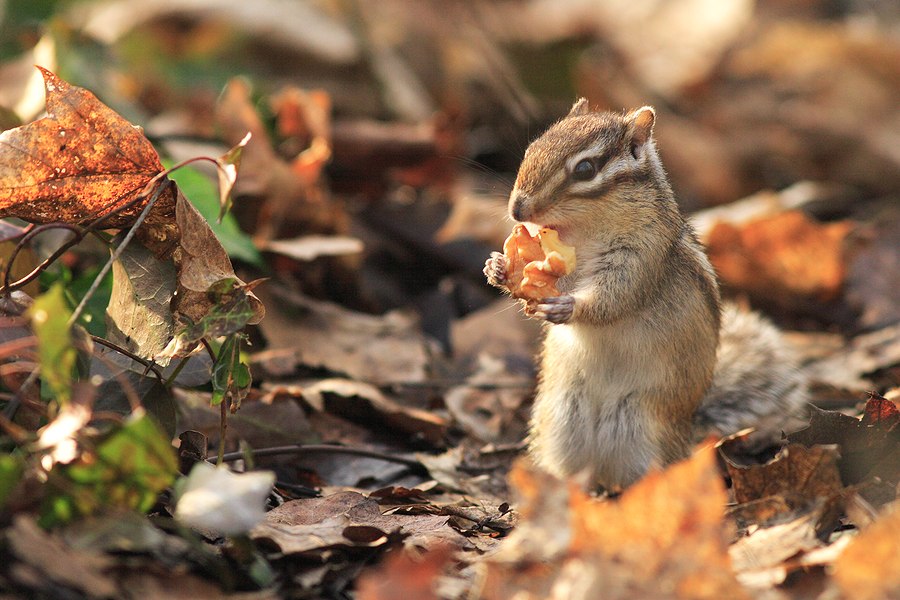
[[757, 382]]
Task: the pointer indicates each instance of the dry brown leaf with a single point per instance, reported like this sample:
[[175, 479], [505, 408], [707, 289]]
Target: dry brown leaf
[[363, 402], [867, 569], [665, 537], [765, 556], [403, 576], [288, 195], [201, 261], [310, 247], [80, 162], [306, 116], [57, 563], [785, 256], [869, 447], [799, 475], [322, 335], [344, 519]]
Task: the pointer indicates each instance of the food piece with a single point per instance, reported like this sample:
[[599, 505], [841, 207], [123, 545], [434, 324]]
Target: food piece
[[534, 264], [520, 249], [559, 257], [536, 282]]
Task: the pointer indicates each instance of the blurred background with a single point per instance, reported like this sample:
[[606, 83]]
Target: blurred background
[[387, 135]]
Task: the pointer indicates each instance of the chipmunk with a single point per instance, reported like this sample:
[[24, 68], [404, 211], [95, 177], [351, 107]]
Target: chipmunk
[[640, 360]]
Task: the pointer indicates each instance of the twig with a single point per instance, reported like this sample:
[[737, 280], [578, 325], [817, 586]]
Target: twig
[[223, 427], [79, 234], [130, 393], [300, 490], [176, 372], [148, 364], [325, 448], [160, 188], [481, 520]]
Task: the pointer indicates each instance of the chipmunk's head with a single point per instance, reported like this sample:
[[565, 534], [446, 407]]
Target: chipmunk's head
[[584, 159]]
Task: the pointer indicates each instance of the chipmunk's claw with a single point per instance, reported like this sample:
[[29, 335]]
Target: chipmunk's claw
[[495, 269], [555, 309]]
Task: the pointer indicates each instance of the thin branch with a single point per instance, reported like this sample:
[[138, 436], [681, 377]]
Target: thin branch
[[79, 234], [223, 426], [326, 448], [149, 365], [130, 393], [118, 251]]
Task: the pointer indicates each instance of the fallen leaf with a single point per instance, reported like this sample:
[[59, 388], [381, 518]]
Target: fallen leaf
[[284, 196], [258, 424], [665, 537], [9, 231], [310, 247], [758, 558], [316, 524], [307, 116], [798, 474], [323, 335], [869, 447], [75, 569], [363, 402], [404, 575], [850, 367], [867, 569], [80, 162], [787, 256]]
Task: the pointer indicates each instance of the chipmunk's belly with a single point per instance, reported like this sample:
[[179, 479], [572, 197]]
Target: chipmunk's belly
[[595, 395]]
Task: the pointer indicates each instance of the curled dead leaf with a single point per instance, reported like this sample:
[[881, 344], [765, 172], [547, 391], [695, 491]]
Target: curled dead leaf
[[79, 163]]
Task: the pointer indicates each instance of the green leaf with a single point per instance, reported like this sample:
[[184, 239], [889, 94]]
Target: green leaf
[[126, 469], [50, 320], [231, 375], [11, 468], [203, 195], [231, 310], [93, 318]]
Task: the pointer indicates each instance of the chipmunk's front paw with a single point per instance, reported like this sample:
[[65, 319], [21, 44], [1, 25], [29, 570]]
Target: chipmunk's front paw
[[495, 269], [555, 309]]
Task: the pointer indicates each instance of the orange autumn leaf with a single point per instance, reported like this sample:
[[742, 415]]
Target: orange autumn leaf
[[867, 569], [665, 537], [80, 162], [787, 254]]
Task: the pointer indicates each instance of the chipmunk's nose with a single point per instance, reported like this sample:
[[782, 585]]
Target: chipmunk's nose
[[519, 206]]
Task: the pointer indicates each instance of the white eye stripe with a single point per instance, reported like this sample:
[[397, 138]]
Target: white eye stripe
[[591, 152], [608, 171]]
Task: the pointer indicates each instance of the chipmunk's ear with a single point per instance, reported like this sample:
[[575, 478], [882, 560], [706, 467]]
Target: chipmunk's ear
[[640, 125], [579, 108]]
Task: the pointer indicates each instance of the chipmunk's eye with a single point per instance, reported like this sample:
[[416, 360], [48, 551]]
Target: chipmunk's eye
[[584, 170]]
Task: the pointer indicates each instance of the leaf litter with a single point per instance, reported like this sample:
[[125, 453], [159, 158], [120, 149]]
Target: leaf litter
[[440, 518]]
